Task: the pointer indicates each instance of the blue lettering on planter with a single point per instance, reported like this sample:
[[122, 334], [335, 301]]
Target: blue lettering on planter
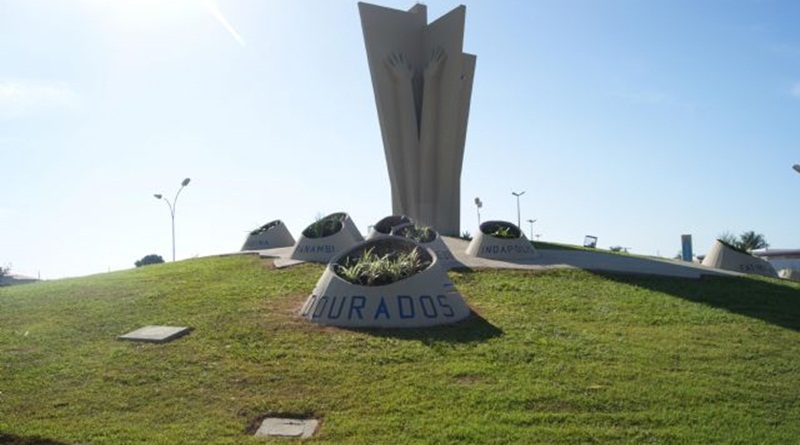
[[321, 303], [448, 310], [382, 309], [505, 249], [357, 307], [321, 248], [429, 311], [400, 300], [333, 305]]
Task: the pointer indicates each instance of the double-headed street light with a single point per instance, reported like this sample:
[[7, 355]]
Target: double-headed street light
[[531, 221], [519, 220], [172, 211]]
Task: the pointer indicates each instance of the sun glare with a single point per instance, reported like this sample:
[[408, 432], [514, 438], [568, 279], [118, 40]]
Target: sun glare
[[152, 15]]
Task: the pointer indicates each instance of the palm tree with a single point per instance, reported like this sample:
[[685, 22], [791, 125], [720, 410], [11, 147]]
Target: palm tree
[[751, 241]]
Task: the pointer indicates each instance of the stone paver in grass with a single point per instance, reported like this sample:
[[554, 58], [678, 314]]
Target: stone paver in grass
[[156, 334], [277, 427]]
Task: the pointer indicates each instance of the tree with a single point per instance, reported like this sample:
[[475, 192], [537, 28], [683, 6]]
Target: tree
[[746, 242], [5, 270], [751, 241], [729, 239], [149, 259]]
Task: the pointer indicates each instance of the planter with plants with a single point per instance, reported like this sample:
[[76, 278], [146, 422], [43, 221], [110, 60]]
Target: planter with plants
[[727, 257], [348, 225], [271, 235], [386, 282], [430, 239], [325, 238], [385, 225], [501, 240]]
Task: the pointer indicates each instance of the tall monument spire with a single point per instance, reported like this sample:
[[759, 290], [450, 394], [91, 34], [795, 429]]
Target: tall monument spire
[[422, 82]]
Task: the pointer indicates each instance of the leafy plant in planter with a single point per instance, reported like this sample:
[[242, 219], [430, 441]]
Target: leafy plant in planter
[[503, 232], [381, 264], [419, 233], [501, 229], [323, 227]]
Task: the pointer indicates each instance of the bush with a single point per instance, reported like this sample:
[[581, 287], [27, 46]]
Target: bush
[[149, 259]]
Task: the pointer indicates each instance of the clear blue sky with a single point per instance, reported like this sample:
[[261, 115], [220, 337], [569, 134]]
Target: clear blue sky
[[634, 121]]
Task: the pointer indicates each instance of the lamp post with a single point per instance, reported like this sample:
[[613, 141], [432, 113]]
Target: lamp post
[[519, 221], [172, 206], [532, 221], [796, 168], [478, 205]]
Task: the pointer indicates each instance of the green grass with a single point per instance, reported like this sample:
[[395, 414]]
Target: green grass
[[563, 357]]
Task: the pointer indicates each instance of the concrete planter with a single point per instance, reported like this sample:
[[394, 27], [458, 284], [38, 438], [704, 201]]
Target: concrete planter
[[789, 274], [433, 242], [723, 257], [427, 298], [349, 225], [486, 245], [269, 236], [385, 225], [326, 238]]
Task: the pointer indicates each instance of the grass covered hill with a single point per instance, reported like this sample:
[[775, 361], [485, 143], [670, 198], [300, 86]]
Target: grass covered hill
[[561, 357]]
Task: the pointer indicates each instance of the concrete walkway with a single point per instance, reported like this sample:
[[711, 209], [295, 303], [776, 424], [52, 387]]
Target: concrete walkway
[[554, 259]]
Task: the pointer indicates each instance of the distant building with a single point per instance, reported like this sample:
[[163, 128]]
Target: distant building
[[780, 258]]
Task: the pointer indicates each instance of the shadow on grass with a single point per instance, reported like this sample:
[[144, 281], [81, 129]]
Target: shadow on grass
[[471, 330], [10, 439], [755, 297]]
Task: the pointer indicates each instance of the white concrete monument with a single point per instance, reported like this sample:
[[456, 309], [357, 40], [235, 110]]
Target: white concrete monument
[[429, 239], [422, 82], [501, 240], [427, 297], [723, 256], [269, 236], [326, 237], [385, 225]]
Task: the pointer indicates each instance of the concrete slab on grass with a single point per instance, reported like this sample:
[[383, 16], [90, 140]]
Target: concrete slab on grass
[[156, 334], [277, 427]]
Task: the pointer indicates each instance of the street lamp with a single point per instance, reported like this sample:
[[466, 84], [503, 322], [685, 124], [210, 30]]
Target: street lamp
[[532, 221], [172, 206], [519, 221], [796, 168], [478, 205]]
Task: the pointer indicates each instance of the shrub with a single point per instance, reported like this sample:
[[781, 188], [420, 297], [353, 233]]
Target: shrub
[[149, 259]]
